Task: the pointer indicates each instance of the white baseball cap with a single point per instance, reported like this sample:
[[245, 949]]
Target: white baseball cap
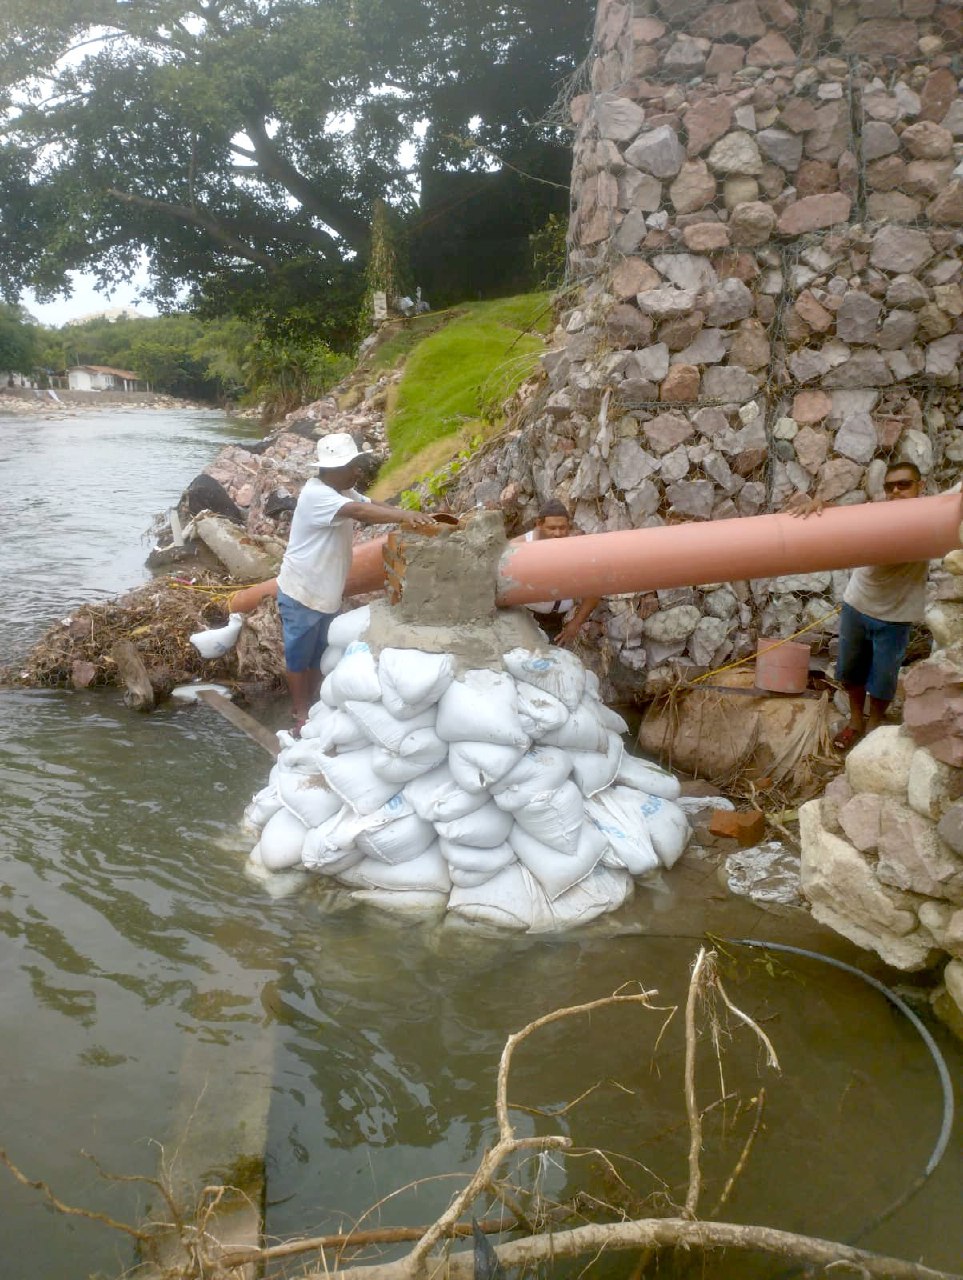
[[337, 450]]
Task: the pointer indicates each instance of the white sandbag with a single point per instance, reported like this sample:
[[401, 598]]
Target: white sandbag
[[215, 643], [593, 687], [694, 805], [485, 827], [263, 805], [342, 831], [436, 795], [481, 706], [415, 902], [336, 732], [428, 872], [393, 833], [555, 670], [603, 889], [330, 658], [475, 766], [355, 678], [277, 884], [353, 778], [348, 627], [281, 841], [582, 731], [647, 776], [412, 681], [538, 711], [384, 729], [554, 818], [609, 718], [593, 771], [350, 825], [401, 840], [421, 791], [557, 872], [468, 879], [668, 826], [318, 855], [325, 848], [424, 751], [465, 858], [540, 769], [309, 797], [512, 899], [625, 830], [300, 757], [319, 712]]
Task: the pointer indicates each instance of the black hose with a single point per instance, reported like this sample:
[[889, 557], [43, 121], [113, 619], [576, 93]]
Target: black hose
[[946, 1127]]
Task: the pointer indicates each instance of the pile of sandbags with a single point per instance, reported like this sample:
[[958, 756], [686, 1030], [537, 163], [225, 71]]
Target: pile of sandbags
[[503, 796]]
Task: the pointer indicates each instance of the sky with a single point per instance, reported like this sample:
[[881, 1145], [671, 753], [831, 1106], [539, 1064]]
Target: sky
[[85, 299]]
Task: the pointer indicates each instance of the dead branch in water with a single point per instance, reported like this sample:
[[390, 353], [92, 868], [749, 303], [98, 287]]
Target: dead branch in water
[[201, 1256]]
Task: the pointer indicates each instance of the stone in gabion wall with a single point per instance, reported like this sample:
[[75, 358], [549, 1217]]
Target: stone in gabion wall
[[766, 226], [882, 849]]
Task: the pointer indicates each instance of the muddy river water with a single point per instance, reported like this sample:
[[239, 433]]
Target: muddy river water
[[157, 1004]]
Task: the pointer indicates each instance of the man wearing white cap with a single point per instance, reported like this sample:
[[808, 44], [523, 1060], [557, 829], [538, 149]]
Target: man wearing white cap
[[317, 560]]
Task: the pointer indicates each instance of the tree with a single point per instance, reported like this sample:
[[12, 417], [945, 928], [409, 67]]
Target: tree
[[18, 341], [230, 139]]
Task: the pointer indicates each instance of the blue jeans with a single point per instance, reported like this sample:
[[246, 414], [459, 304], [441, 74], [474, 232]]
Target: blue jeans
[[305, 633], [870, 653]]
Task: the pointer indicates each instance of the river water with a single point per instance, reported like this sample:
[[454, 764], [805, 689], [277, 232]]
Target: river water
[[161, 1009]]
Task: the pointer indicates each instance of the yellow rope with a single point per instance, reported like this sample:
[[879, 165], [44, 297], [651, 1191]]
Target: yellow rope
[[217, 592], [744, 661]]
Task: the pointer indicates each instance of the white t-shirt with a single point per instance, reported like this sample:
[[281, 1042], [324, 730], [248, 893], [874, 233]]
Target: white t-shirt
[[316, 563], [889, 592], [547, 606]]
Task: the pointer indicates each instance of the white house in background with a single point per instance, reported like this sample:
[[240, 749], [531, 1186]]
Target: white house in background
[[100, 377]]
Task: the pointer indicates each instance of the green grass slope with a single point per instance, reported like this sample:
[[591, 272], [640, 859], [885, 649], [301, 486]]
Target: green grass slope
[[456, 379]]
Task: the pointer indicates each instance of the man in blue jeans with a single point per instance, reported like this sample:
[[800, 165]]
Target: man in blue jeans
[[318, 557], [880, 605]]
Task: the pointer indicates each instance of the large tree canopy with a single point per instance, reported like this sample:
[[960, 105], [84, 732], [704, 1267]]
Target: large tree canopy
[[231, 138]]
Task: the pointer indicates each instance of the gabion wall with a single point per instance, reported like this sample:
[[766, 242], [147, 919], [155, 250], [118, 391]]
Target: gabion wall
[[764, 253]]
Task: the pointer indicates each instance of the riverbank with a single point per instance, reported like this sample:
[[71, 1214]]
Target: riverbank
[[18, 402]]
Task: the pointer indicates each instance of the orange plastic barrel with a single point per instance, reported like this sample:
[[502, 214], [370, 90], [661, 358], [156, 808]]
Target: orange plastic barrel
[[782, 667]]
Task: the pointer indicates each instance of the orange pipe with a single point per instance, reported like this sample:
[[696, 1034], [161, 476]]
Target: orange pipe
[[367, 574], [607, 564], [681, 555], [367, 571]]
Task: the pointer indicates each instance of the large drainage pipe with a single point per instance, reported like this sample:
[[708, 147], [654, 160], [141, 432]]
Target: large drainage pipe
[[681, 555]]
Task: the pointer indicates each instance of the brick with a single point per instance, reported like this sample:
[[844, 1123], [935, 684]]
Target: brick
[[748, 828]]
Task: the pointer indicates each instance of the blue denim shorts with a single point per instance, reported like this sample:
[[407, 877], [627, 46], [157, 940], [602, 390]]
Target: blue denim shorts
[[870, 653], [305, 633]]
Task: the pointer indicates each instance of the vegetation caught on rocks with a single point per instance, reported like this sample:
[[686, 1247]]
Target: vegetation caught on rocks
[[158, 619]]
